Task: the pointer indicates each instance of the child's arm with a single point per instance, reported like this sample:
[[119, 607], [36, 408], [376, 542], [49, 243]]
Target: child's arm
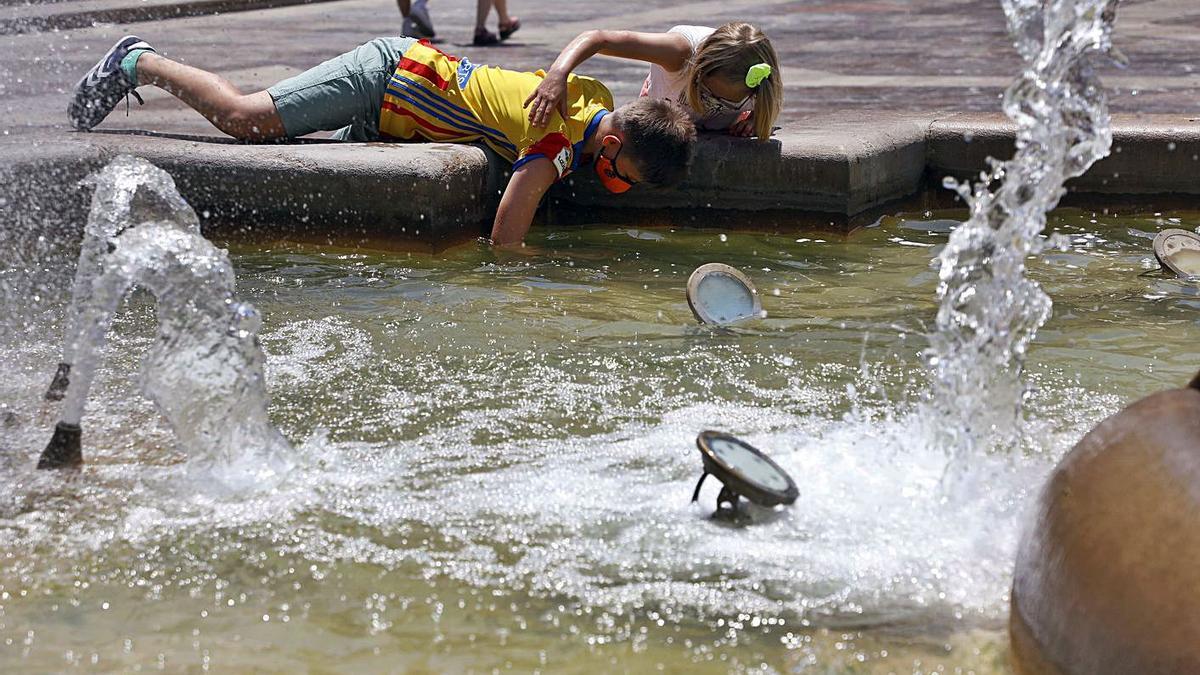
[[520, 200], [669, 50]]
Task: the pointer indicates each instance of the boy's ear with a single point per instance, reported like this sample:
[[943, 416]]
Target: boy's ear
[[612, 140]]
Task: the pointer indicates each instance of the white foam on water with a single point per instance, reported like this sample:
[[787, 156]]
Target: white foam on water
[[877, 537]]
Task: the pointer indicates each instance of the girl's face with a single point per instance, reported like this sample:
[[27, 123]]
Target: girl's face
[[718, 93]]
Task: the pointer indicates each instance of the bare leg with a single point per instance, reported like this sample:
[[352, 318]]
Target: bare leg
[[502, 11], [249, 117], [405, 7], [482, 9]]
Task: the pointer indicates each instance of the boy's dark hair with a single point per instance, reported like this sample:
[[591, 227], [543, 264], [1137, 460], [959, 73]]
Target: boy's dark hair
[[661, 136]]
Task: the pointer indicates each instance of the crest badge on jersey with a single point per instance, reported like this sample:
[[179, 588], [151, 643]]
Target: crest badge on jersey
[[562, 161], [465, 68]]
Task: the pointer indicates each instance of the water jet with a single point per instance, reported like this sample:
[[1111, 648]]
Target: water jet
[[204, 369]]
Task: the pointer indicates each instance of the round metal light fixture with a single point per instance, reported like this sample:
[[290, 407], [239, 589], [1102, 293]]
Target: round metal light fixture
[[1178, 251], [719, 294], [744, 471]]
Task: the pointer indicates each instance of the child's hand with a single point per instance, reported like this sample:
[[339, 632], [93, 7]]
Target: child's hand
[[744, 126], [551, 94]]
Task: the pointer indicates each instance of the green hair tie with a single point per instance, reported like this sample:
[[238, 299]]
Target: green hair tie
[[757, 73]]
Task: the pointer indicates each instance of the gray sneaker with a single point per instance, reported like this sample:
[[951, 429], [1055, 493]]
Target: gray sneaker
[[104, 86], [419, 17]]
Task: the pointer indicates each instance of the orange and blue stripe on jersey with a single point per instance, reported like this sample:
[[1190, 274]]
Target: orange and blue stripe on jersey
[[414, 90], [438, 119]]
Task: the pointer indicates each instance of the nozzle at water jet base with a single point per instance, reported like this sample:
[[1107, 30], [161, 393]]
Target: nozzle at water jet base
[[58, 386], [64, 451]]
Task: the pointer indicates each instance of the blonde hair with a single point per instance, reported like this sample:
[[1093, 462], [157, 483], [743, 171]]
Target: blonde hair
[[728, 53]]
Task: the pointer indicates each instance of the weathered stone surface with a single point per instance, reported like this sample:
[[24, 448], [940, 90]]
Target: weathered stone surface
[[431, 192], [825, 165], [1152, 154], [823, 172]]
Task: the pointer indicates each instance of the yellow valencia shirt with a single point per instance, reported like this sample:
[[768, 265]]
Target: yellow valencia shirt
[[434, 96]]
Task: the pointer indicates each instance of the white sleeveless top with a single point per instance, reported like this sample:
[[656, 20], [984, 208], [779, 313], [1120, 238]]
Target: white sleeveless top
[[672, 84]]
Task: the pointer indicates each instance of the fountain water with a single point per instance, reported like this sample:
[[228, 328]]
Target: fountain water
[[205, 369], [496, 472], [989, 309], [125, 193]]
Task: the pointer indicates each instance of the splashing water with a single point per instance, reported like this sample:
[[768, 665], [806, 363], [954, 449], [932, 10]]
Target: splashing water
[[205, 369], [451, 455], [989, 309], [127, 191]]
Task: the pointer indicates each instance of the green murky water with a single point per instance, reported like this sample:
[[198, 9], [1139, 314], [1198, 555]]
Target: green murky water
[[495, 455]]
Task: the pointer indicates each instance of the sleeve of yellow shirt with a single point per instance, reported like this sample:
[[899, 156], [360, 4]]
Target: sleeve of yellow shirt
[[552, 142]]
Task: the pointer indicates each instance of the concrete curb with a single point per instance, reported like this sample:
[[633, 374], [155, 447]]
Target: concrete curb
[[1152, 154], [834, 173], [431, 192], [147, 11], [827, 171], [828, 166]]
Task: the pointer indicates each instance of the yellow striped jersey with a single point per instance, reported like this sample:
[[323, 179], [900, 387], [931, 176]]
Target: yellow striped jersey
[[434, 96]]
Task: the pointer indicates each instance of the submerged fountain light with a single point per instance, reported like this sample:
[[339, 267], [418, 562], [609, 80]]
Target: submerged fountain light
[[720, 294], [744, 471], [1178, 251]]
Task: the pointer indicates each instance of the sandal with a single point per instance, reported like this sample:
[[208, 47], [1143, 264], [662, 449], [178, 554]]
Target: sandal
[[511, 27], [484, 38]]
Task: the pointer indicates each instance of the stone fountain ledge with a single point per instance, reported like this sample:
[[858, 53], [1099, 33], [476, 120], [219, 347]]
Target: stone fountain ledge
[[826, 170]]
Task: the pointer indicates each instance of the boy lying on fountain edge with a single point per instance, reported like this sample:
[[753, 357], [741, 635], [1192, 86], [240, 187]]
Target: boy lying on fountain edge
[[403, 89]]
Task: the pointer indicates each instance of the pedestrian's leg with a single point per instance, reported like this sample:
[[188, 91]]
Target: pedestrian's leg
[[483, 37], [417, 22], [249, 117], [508, 24], [482, 9]]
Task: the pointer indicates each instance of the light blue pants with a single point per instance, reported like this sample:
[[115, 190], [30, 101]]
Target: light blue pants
[[344, 93]]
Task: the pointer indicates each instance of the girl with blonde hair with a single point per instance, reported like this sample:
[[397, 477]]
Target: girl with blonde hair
[[728, 77]]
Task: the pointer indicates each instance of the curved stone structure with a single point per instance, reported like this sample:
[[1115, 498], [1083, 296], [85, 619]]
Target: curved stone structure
[[829, 172], [1108, 578]]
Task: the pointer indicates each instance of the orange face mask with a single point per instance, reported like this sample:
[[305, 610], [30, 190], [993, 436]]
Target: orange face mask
[[606, 168]]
